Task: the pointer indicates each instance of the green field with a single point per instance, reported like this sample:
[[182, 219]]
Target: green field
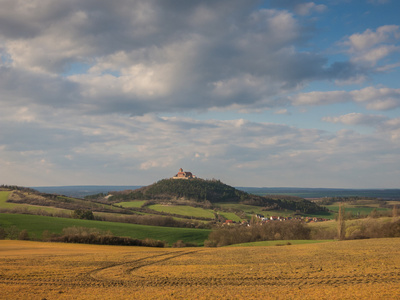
[[3, 200], [195, 212], [248, 209], [231, 216], [135, 204], [357, 209], [35, 225], [280, 243], [252, 209]]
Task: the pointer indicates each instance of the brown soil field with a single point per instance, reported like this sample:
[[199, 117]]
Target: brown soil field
[[362, 269]]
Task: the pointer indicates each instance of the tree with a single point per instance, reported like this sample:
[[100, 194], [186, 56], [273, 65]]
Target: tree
[[23, 235], [394, 212], [83, 214], [341, 223]]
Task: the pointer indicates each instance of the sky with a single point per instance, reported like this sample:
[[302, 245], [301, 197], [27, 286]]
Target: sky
[[279, 93]]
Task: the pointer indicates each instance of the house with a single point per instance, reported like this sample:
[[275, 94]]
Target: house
[[184, 175]]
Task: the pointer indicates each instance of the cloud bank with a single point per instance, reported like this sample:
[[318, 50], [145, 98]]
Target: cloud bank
[[97, 92]]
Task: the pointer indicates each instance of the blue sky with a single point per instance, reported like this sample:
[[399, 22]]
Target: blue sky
[[255, 93]]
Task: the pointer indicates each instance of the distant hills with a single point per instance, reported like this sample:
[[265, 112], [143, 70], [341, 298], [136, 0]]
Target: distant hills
[[324, 192]]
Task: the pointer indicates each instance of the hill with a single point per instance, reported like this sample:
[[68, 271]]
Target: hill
[[198, 190], [208, 192]]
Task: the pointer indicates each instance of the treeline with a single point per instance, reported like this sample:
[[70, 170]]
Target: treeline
[[18, 188], [372, 228], [229, 235], [81, 235], [85, 235], [95, 196], [296, 230]]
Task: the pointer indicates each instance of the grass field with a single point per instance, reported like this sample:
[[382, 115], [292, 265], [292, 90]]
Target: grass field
[[248, 209], [358, 209], [230, 216], [135, 204], [363, 269], [3, 200], [183, 210], [252, 209], [35, 225]]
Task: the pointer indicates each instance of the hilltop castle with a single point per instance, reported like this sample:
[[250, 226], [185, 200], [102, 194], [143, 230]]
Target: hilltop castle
[[183, 175]]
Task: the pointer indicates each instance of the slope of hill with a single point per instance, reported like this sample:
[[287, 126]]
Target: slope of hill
[[28, 196], [80, 191]]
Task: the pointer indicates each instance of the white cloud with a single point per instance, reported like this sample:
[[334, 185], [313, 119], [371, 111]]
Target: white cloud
[[320, 98], [283, 111], [371, 97], [309, 7], [357, 119], [372, 46], [377, 98]]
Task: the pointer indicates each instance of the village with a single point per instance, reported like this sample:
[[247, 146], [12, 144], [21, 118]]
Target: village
[[261, 219]]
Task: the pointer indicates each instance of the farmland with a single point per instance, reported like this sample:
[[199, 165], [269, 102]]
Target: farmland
[[184, 210], [37, 224], [331, 270]]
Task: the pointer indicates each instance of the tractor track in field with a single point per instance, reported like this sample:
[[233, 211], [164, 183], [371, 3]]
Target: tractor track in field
[[128, 273], [115, 274], [127, 268]]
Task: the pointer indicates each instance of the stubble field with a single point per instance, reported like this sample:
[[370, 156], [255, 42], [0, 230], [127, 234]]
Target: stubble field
[[333, 270]]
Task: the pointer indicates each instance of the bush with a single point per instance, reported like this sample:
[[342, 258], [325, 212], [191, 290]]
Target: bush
[[323, 233], [83, 214], [3, 233], [181, 244], [23, 235], [12, 233], [47, 235]]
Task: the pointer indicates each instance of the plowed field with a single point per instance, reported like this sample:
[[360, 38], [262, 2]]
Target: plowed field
[[335, 270]]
